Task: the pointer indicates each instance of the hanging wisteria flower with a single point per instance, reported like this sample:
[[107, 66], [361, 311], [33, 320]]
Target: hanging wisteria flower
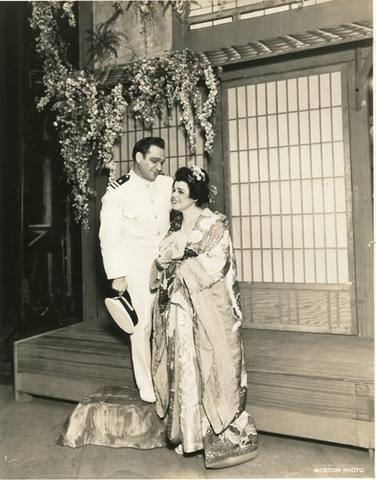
[[67, 8], [89, 113], [88, 116], [173, 79]]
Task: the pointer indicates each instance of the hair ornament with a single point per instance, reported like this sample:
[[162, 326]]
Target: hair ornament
[[197, 173], [212, 193]]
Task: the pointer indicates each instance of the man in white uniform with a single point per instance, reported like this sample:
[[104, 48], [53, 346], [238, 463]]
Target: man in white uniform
[[135, 217]]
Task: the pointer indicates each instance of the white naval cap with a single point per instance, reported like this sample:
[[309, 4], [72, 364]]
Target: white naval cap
[[122, 311]]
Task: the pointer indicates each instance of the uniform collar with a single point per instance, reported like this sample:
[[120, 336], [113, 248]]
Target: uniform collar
[[139, 179]]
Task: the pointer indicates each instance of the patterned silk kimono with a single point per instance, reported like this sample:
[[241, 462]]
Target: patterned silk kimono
[[198, 369]]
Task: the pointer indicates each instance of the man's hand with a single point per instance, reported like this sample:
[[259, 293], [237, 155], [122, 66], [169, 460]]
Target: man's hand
[[120, 285]]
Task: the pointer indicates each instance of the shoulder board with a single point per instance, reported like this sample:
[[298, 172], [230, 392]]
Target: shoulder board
[[120, 181]]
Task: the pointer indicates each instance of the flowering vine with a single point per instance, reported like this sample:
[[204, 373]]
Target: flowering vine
[[87, 117], [153, 84], [89, 112]]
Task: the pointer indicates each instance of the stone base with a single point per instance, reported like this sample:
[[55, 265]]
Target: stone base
[[114, 417]]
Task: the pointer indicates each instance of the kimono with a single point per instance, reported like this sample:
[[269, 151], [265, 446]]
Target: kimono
[[198, 368]]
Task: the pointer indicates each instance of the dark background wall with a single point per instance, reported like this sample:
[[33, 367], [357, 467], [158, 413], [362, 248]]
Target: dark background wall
[[40, 246], [11, 238]]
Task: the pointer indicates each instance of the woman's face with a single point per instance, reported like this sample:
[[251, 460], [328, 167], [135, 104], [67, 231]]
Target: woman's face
[[180, 197]]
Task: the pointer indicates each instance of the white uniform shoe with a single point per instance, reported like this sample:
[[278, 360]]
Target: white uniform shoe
[[147, 396], [179, 449]]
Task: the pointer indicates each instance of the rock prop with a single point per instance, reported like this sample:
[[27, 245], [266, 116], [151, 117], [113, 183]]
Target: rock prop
[[114, 417]]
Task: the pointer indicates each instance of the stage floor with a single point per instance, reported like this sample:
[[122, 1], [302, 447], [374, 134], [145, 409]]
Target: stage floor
[[314, 386], [29, 451]]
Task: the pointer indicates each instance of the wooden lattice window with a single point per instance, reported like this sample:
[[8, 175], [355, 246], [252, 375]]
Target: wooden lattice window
[[209, 13], [171, 130]]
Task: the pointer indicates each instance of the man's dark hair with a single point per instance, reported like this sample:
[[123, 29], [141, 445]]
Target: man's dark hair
[[144, 144]]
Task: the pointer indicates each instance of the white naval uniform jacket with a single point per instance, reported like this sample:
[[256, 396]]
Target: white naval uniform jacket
[[135, 217]]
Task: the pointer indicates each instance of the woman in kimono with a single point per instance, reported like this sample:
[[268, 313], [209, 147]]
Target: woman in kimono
[[198, 369]]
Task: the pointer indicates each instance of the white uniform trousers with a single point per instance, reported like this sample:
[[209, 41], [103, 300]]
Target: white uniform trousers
[[142, 300]]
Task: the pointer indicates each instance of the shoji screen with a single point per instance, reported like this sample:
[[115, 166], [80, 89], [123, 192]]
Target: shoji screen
[[291, 200]]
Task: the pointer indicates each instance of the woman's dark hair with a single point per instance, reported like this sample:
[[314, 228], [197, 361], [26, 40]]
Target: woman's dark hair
[[144, 144], [197, 180]]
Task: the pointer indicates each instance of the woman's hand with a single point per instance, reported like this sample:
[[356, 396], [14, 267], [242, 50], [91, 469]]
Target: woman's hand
[[164, 262]]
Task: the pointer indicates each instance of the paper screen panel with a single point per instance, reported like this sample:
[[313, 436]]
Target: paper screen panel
[[287, 170]]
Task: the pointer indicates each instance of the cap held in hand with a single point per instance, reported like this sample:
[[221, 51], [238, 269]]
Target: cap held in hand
[[122, 311]]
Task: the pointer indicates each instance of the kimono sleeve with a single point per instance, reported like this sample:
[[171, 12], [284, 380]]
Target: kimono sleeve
[[212, 264]]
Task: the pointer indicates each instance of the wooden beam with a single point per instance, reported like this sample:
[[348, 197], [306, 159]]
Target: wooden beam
[[86, 23], [366, 68], [362, 70], [351, 432], [323, 15]]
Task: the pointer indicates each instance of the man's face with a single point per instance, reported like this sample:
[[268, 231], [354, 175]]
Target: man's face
[[150, 165]]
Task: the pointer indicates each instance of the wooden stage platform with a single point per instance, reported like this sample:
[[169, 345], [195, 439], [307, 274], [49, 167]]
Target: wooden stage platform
[[314, 386]]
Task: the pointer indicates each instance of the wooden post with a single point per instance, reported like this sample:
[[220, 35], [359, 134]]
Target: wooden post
[[362, 197], [89, 294], [216, 162], [362, 72]]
